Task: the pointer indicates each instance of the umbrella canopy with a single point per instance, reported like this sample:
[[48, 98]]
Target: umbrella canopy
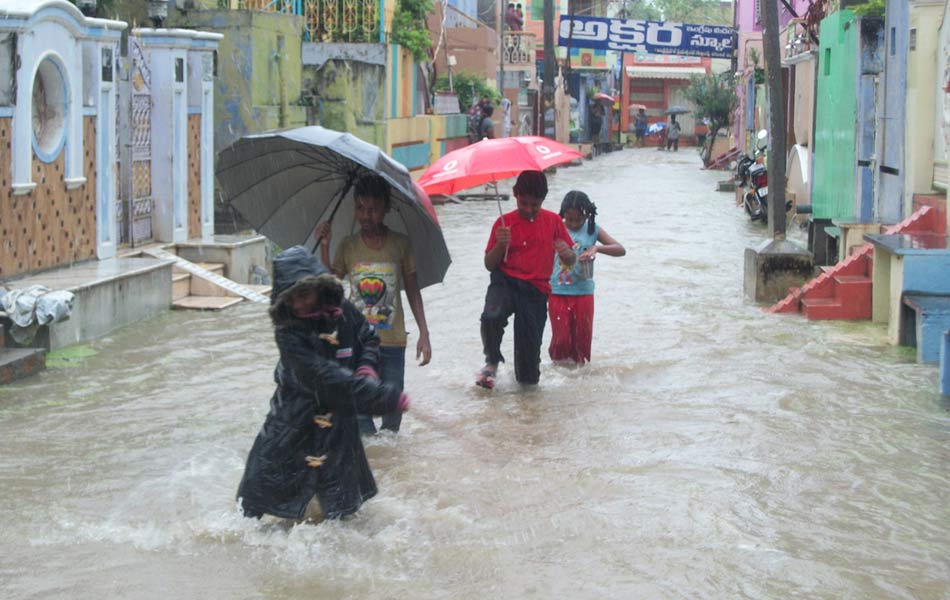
[[604, 98], [634, 108], [286, 183], [493, 159], [677, 110], [655, 128]]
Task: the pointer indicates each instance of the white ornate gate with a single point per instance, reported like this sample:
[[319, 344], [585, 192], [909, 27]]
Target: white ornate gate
[[135, 202]]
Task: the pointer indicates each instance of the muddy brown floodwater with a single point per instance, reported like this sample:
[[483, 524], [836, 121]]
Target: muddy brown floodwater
[[710, 450]]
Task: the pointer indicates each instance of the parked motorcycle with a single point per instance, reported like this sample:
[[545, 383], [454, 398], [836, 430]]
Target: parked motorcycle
[[742, 178], [752, 177], [756, 196]]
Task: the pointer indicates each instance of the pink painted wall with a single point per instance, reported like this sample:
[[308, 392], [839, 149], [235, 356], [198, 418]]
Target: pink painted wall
[[745, 14], [750, 36]]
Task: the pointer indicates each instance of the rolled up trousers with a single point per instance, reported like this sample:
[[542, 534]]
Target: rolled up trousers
[[506, 296]]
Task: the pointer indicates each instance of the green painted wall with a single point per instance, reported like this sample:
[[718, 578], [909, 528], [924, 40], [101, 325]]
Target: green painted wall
[[259, 70], [833, 191], [350, 96], [456, 126]]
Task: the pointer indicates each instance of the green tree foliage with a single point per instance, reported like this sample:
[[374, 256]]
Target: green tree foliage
[[410, 29], [872, 8], [708, 12], [468, 87], [716, 100]]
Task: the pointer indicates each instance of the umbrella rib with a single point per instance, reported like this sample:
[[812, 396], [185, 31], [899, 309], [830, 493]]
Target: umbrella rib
[[314, 157], [343, 165], [279, 206], [268, 178], [309, 156], [257, 157]]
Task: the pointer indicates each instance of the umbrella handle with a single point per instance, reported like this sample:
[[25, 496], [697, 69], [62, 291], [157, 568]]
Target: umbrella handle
[[501, 214], [342, 192]]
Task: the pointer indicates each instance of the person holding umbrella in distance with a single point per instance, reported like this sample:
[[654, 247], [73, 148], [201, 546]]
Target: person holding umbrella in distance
[[640, 125], [673, 129], [520, 260]]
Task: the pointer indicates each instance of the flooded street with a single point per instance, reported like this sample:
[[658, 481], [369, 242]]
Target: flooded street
[[710, 450]]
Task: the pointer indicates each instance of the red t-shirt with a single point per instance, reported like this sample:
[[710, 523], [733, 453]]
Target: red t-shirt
[[531, 251]]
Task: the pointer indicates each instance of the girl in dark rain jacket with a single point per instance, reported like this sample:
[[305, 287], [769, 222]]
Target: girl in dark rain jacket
[[309, 450]]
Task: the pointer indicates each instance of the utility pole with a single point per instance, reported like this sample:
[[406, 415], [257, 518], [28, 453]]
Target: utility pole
[[623, 15], [500, 25], [777, 265], [776, 155], [547, 88]]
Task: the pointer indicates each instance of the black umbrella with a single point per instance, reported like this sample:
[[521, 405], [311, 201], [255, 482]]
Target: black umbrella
[[286, 183], [677, 110]]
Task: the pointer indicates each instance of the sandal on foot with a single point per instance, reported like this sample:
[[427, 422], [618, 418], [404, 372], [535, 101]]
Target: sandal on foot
[[485, 379]]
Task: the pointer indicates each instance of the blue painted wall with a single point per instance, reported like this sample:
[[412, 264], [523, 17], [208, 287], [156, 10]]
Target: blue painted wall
[[889, 205], [927, 273], [412, 156], [869, 107]]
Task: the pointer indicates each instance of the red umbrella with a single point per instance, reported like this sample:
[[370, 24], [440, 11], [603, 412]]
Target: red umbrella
[[493, 159], [425, 201], [606, 98]]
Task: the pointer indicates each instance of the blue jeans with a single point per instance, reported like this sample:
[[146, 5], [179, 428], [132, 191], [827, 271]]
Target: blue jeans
[[392, 368]]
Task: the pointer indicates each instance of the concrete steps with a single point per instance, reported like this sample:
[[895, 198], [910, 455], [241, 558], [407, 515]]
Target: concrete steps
[[206, 302], [17, 363], [181, 285], [194, 293], [851, 300], [927, 319], [843, 291], [203, 285]]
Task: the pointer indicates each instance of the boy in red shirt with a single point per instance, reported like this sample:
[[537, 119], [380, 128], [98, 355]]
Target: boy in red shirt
[[520, 260]]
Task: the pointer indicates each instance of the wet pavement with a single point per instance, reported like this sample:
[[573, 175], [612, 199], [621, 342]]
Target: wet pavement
[[710, 450]]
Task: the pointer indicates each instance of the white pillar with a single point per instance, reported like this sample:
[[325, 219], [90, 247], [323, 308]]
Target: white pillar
[[74, 139], [167, 57], [201, 100], [22, 127], [103, 60]]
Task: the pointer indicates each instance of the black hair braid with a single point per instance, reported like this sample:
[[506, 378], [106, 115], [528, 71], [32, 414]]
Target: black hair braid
[[580, 202]]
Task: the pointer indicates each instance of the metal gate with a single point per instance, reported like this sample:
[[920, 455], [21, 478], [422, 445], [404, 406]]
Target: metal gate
[[134, 138]]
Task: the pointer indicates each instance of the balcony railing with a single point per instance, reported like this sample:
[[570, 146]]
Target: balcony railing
[[326, 20], [519, 49]]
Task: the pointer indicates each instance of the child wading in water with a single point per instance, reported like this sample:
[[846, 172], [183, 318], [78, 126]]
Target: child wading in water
[[308, 462], [520, 258], [379, 264], [571, 304]]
